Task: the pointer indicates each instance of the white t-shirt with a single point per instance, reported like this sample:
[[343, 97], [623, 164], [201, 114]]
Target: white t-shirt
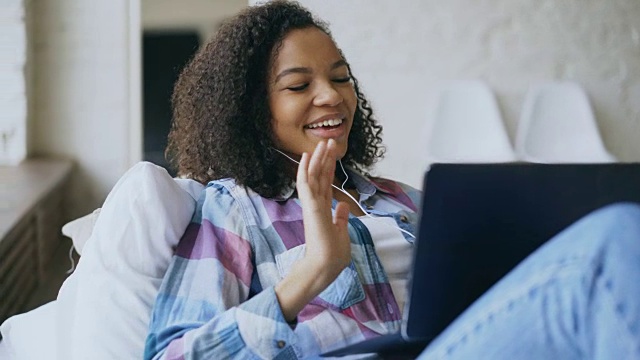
[[394, 251]]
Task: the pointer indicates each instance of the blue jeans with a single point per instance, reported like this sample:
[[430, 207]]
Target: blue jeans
[[577, 297]]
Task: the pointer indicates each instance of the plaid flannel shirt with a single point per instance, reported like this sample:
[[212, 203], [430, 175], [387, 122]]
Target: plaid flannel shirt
[[217, 299]]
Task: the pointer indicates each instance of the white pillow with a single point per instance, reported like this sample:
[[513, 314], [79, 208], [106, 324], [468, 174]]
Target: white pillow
[[108, 299], [80, 229], [29, 336]]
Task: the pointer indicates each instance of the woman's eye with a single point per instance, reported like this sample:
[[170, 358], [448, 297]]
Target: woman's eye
[[343, 80], [298, 88]]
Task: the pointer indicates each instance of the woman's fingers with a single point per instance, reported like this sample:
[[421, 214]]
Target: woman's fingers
[[316, 161], [321, 168], [330, 159], [326, 235]]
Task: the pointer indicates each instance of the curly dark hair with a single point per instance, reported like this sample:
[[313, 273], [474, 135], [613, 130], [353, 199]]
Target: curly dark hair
[[221, 118]]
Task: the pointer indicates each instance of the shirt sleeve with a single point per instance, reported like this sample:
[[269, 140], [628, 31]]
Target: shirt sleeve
[[203, 309]]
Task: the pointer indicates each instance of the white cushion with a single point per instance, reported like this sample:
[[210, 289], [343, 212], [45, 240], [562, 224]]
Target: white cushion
[[107, 301], [80, 229], [29, 335]]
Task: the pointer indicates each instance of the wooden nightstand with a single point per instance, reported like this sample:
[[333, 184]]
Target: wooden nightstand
[[33, 208]]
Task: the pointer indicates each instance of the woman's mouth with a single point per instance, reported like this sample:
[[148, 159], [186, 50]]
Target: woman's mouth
[[331, 128], [325, 125]]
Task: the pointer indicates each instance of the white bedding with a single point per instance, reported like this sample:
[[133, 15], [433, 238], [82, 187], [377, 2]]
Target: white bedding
[[31, 335], [4, 351]]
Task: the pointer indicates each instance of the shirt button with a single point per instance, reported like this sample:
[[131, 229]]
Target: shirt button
[[369, 207], [404, 218], [281, 344]]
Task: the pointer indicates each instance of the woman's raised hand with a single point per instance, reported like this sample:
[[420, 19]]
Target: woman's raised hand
[[327, 239], [328, 248]]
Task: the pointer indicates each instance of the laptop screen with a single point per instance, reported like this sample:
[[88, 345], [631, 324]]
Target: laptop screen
[[479, 221]]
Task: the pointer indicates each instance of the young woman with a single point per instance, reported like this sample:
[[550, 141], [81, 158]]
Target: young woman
[[294, 249]]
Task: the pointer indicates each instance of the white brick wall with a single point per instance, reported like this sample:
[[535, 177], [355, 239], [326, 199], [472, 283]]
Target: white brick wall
[[84, 91], [85, 81], [13, 102], [401, 50]]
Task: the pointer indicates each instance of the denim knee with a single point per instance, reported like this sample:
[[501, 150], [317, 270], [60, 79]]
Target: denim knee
[[625, 214], [617, 224]]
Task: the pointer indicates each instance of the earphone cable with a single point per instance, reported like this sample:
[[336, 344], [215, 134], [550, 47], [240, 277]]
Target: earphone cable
[[347, 193]]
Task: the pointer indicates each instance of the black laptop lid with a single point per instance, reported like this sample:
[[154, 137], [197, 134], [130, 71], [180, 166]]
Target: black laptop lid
[[479, 221]]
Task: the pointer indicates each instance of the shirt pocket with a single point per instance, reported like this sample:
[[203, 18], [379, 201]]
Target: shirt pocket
[[345, 291]]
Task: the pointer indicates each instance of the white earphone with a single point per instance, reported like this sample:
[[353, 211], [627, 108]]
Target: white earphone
[[346, 192]]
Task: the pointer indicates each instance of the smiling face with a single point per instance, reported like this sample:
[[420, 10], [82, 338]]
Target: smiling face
[[311, 96]]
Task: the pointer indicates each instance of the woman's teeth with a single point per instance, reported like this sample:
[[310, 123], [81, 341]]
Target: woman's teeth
[[332, 122]]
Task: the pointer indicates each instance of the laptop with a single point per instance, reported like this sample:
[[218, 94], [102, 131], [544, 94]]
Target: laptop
[[477, 222]]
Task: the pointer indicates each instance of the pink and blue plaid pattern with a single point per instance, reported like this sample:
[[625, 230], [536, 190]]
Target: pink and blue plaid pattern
[[217, 299]]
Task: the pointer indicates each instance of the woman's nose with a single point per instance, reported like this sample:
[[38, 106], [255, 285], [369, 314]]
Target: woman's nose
[[327, 95]]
